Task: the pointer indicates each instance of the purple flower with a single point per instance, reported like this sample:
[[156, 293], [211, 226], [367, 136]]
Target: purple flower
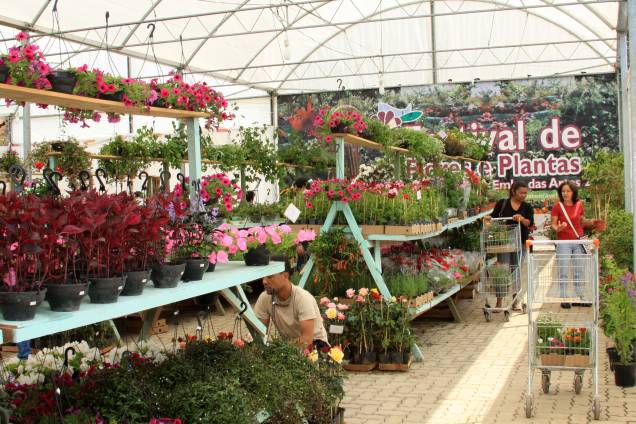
[[625, 279], [632, 293]]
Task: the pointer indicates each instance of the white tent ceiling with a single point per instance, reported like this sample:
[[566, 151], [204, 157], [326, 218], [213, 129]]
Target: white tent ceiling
[[240, 44]]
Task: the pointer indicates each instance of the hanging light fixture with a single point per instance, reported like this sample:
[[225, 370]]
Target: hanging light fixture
[[287, 49], [381, 85]]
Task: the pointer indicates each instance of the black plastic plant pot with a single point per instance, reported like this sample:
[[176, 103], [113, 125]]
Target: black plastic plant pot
[[339, 417], [4, 73], [612, 354], [168, 275], [384, 358], [115, 97], [257, 256], [396, 357], [211, 267], [105, 290], [135, 283], [625, 374], [18, 306], [406, 357], [195, 268], [41, 295], [66, 297], [370, 358], [62, 81]]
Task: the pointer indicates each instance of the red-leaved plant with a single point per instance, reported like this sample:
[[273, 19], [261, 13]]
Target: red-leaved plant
[[147, 235], [22, 228]]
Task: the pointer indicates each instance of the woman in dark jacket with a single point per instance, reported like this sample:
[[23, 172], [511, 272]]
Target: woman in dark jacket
[[515, 208]]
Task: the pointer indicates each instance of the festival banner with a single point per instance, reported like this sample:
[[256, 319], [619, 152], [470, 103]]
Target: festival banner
[[541, 130]]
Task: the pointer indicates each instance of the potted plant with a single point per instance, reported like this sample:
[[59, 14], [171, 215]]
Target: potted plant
[[578, 344], [25, 65], [217, 188], [105, 221], [621, 310], [167, 269], [133, 156], [22, 266], [72, 160], [549, 347], [143, 240], [336, 121]]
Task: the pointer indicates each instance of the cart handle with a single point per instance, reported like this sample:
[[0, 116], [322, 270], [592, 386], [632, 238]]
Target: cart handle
[[594, 241]]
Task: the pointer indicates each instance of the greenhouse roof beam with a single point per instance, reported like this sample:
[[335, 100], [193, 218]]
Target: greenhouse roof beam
[[136, 27], [428, 69], [410, 53], [370, 17], [9, 22], [278, 31]]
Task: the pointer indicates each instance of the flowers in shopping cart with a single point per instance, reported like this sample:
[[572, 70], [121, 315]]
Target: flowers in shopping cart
[[577, 341]]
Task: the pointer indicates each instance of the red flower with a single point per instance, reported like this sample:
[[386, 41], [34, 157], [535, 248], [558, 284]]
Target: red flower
[[39, 165], [21, 36], [59, 169]]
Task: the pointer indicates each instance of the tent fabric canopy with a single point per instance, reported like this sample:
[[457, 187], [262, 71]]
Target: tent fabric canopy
[[255, 47]]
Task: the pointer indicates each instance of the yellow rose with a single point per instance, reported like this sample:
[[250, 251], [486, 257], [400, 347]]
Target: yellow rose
[[313, 356], [331, 313], [336, 354]]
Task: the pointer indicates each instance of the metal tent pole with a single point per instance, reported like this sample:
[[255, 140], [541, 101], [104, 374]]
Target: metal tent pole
[[26, 136], [631, 28], [624, 126]]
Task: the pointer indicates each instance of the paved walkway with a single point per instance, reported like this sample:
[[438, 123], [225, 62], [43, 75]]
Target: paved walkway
[[474, 372]]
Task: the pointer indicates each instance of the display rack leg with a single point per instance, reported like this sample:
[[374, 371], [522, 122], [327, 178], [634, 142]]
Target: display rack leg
[[220, 310], [377, 254], [249, 316], [417, 353], [113, 327], [452, 306], [148, 317]]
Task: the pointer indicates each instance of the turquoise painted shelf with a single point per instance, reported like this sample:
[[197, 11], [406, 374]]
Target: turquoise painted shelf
[[452, 225], [225, 276], [416, 312]]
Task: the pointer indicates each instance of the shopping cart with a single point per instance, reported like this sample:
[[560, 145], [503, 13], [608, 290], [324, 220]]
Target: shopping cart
[[563, 341], [500, 276]]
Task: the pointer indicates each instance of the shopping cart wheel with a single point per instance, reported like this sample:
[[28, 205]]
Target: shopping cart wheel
[[524, 308], [487, 315], [596, 408], [529, 405], [507, 316], [578, 383], [545, 382]]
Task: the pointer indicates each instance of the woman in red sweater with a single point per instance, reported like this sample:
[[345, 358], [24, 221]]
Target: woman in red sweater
[[567, 253]]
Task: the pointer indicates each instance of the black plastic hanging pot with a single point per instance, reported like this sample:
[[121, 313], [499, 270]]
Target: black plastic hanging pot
[[195, 268], [62, 81], [4, 73], [117, 96], [105, 290], [256, 256], [18, 306], [211, 267], [166, 276], [135, 283], [66, 297]]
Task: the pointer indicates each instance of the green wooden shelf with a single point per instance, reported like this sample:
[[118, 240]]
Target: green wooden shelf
[[222, 279], [416, 312]]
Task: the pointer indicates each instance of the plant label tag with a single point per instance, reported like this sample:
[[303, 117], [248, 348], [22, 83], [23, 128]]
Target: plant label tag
[[201, 265], [336, 329], [182, 273], [419, 195], [144, 280], [33, 303], [120, 288], [442, 134], [81, 293], [292, 212]]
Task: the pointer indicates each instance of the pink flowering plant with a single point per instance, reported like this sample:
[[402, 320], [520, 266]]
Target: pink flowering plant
[[278, 239], [330, 121], [219, 188], [175, 93], [26, 64]]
